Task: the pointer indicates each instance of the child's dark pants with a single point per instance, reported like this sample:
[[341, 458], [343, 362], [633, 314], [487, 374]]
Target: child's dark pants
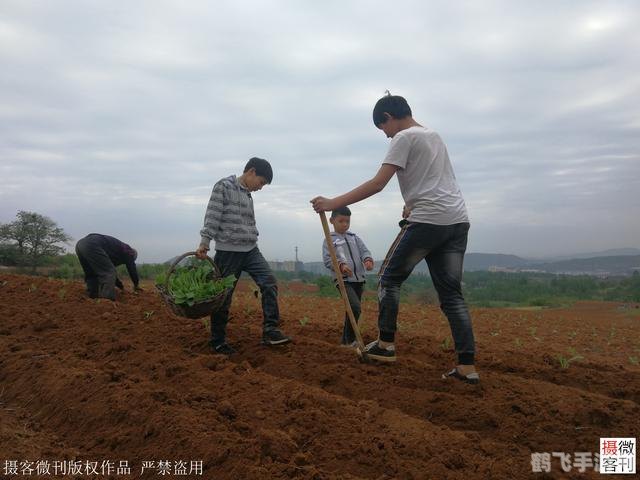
[[354, 295], [443, 247], [252, 262]]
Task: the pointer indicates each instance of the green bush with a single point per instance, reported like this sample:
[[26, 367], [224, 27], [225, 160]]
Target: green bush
[[326, 287], [487, 289]]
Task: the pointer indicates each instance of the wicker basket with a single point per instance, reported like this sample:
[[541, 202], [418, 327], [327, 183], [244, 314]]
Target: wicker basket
[[199, 309]]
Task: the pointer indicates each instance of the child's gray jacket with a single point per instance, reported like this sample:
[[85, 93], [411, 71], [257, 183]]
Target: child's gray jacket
[[350, 249]]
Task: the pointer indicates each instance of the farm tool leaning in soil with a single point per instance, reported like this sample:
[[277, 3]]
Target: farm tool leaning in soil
[[436, 230], [354, 260], [99, 256], [230, 222], [360, 349]]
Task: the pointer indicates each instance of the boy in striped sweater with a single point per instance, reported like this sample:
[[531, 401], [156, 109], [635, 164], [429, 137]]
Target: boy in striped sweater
[[230, 222]]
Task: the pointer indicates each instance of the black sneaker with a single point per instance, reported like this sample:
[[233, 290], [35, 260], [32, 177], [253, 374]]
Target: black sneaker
[[274, 337], [224, 349], [375, 352]]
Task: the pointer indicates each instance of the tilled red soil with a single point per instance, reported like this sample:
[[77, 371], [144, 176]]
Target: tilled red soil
[[95, 381]]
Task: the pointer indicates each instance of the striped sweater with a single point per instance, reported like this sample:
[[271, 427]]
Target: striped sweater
[[229, 219]]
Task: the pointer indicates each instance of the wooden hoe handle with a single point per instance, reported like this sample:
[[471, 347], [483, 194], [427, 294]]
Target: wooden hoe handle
[[343, 291]]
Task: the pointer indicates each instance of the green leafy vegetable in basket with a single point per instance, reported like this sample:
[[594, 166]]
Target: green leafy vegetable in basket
[[191, 284]]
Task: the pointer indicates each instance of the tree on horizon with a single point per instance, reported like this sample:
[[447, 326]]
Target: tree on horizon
[[31, 238]]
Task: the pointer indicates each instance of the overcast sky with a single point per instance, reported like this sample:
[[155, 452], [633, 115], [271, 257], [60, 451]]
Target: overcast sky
[[118, 117]]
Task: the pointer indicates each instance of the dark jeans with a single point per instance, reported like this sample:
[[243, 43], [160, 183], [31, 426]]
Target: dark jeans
[[354, 295], [443, 247], [252, 262], [99, 271]]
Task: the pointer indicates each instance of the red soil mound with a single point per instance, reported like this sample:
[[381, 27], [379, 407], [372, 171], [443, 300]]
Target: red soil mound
[[97, 381]]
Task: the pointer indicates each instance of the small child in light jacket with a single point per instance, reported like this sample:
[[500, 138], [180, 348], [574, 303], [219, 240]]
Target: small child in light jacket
[[353, 258]]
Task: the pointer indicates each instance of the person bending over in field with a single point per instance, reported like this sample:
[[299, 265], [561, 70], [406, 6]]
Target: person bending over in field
[[99, 256]]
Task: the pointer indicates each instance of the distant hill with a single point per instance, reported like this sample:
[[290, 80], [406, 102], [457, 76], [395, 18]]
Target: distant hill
[[599, 266], [472, 262], [613, 252], [612, 265], [316, 267], [484, 261]]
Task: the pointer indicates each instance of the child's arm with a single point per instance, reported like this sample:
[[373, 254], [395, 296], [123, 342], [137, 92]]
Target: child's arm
[[365, 254], [212, 219], [364, 251], [367, 189], [326, 259]]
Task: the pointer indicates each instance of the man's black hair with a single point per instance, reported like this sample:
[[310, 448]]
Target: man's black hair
[[341, 211], [263, 168], [394, 105]]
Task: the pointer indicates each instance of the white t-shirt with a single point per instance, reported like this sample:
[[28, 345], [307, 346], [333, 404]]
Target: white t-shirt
[[426, 178]]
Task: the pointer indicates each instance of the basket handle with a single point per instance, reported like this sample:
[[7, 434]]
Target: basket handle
[[179, 259]]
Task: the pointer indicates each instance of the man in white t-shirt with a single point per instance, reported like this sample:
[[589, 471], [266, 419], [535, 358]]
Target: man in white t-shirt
[[435, 229]]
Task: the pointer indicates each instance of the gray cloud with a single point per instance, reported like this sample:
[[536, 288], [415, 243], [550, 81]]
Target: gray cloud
[[119, 117]]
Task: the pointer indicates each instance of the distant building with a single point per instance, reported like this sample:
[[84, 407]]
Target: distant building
[[495, 268], [316, 267], [286, 266]]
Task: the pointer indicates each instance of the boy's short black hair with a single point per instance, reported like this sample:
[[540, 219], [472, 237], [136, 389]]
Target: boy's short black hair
[[394, 105], [341, 211], [263, 168]]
